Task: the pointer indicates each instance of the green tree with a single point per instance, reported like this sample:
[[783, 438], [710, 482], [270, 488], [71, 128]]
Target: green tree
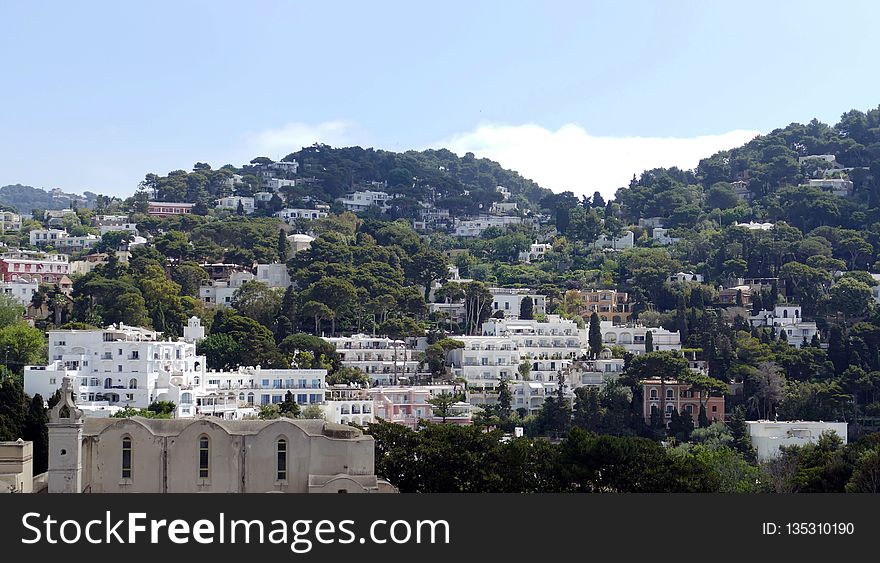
[[442, 404], [595, 335], [526, 308]]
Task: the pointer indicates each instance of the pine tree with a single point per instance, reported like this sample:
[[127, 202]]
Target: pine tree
[[595, 335]]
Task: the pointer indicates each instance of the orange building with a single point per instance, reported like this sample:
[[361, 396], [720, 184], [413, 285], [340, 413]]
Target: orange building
[[609, 304], [680, 397]]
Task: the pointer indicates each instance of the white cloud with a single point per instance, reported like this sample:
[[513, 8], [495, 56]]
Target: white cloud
[[278, 143], [572, 159]]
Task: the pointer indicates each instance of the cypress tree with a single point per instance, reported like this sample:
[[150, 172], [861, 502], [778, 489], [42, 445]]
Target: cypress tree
[[595, 335], [649, 341], [702, 418]]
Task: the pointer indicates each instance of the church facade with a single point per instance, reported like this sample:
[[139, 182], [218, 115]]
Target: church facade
[[140, 455]]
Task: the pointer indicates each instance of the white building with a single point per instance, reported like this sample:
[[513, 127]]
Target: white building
[[509, 301], [623, 242], [475, 227], [787, 318], [652, 222], [9, 221], [769, 435], [753, 226], [299, 242], [632, 337], [548, 346], [290, 214], [661, 236], [131, 367], [220, 292], [875, 289], [840, 187], [596, 372], [59, 238], [682, 277], [485, 360], [829, 158], [363, 200], [118, 366], [349, 405], [385, 361], [274, 275], [536, 252], [231, 203], [503, 207], [39, 237], [275, 184], [22, 291], [113, 226], [193, 331]]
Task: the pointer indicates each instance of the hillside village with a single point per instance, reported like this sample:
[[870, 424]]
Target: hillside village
[[719, 314]]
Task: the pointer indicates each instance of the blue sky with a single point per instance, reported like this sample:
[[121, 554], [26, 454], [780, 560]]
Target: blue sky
[[576, 95]]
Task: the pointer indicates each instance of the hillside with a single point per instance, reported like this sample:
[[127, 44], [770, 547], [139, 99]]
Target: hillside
[[465, 185], [25, 199]]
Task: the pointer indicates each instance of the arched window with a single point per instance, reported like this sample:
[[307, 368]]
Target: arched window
[[250, 398], [108, 383], [186, 398], [653, 393], [133, 383], [204, 457], [126, 457], [670, 394], [281, 464]]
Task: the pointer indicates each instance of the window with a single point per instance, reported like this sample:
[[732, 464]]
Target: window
[[132, 383], [204, 451], [281, 464], [126, 458]]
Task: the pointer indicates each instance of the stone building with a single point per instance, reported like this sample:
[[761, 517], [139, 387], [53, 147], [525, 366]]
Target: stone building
[[129, 455]]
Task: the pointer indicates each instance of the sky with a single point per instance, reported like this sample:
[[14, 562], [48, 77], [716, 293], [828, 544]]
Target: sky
[[575, 95]]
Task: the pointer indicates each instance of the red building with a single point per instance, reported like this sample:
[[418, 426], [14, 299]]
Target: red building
[[679, 397], [163, 208]]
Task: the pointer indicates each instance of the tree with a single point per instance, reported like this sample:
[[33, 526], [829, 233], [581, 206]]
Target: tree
[[866, 473], [317, 311], [662, 365], [587, 409], [21, 345], [347, 375], [478, 301], [312, 412], [442, 404], [11, 311], [526, 308], [289, 407], [649, 341], [769, 385], [851, 297], [283, 246], [36, 430], [595, 335], [505, 400], [258, 301], [524, 370]]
